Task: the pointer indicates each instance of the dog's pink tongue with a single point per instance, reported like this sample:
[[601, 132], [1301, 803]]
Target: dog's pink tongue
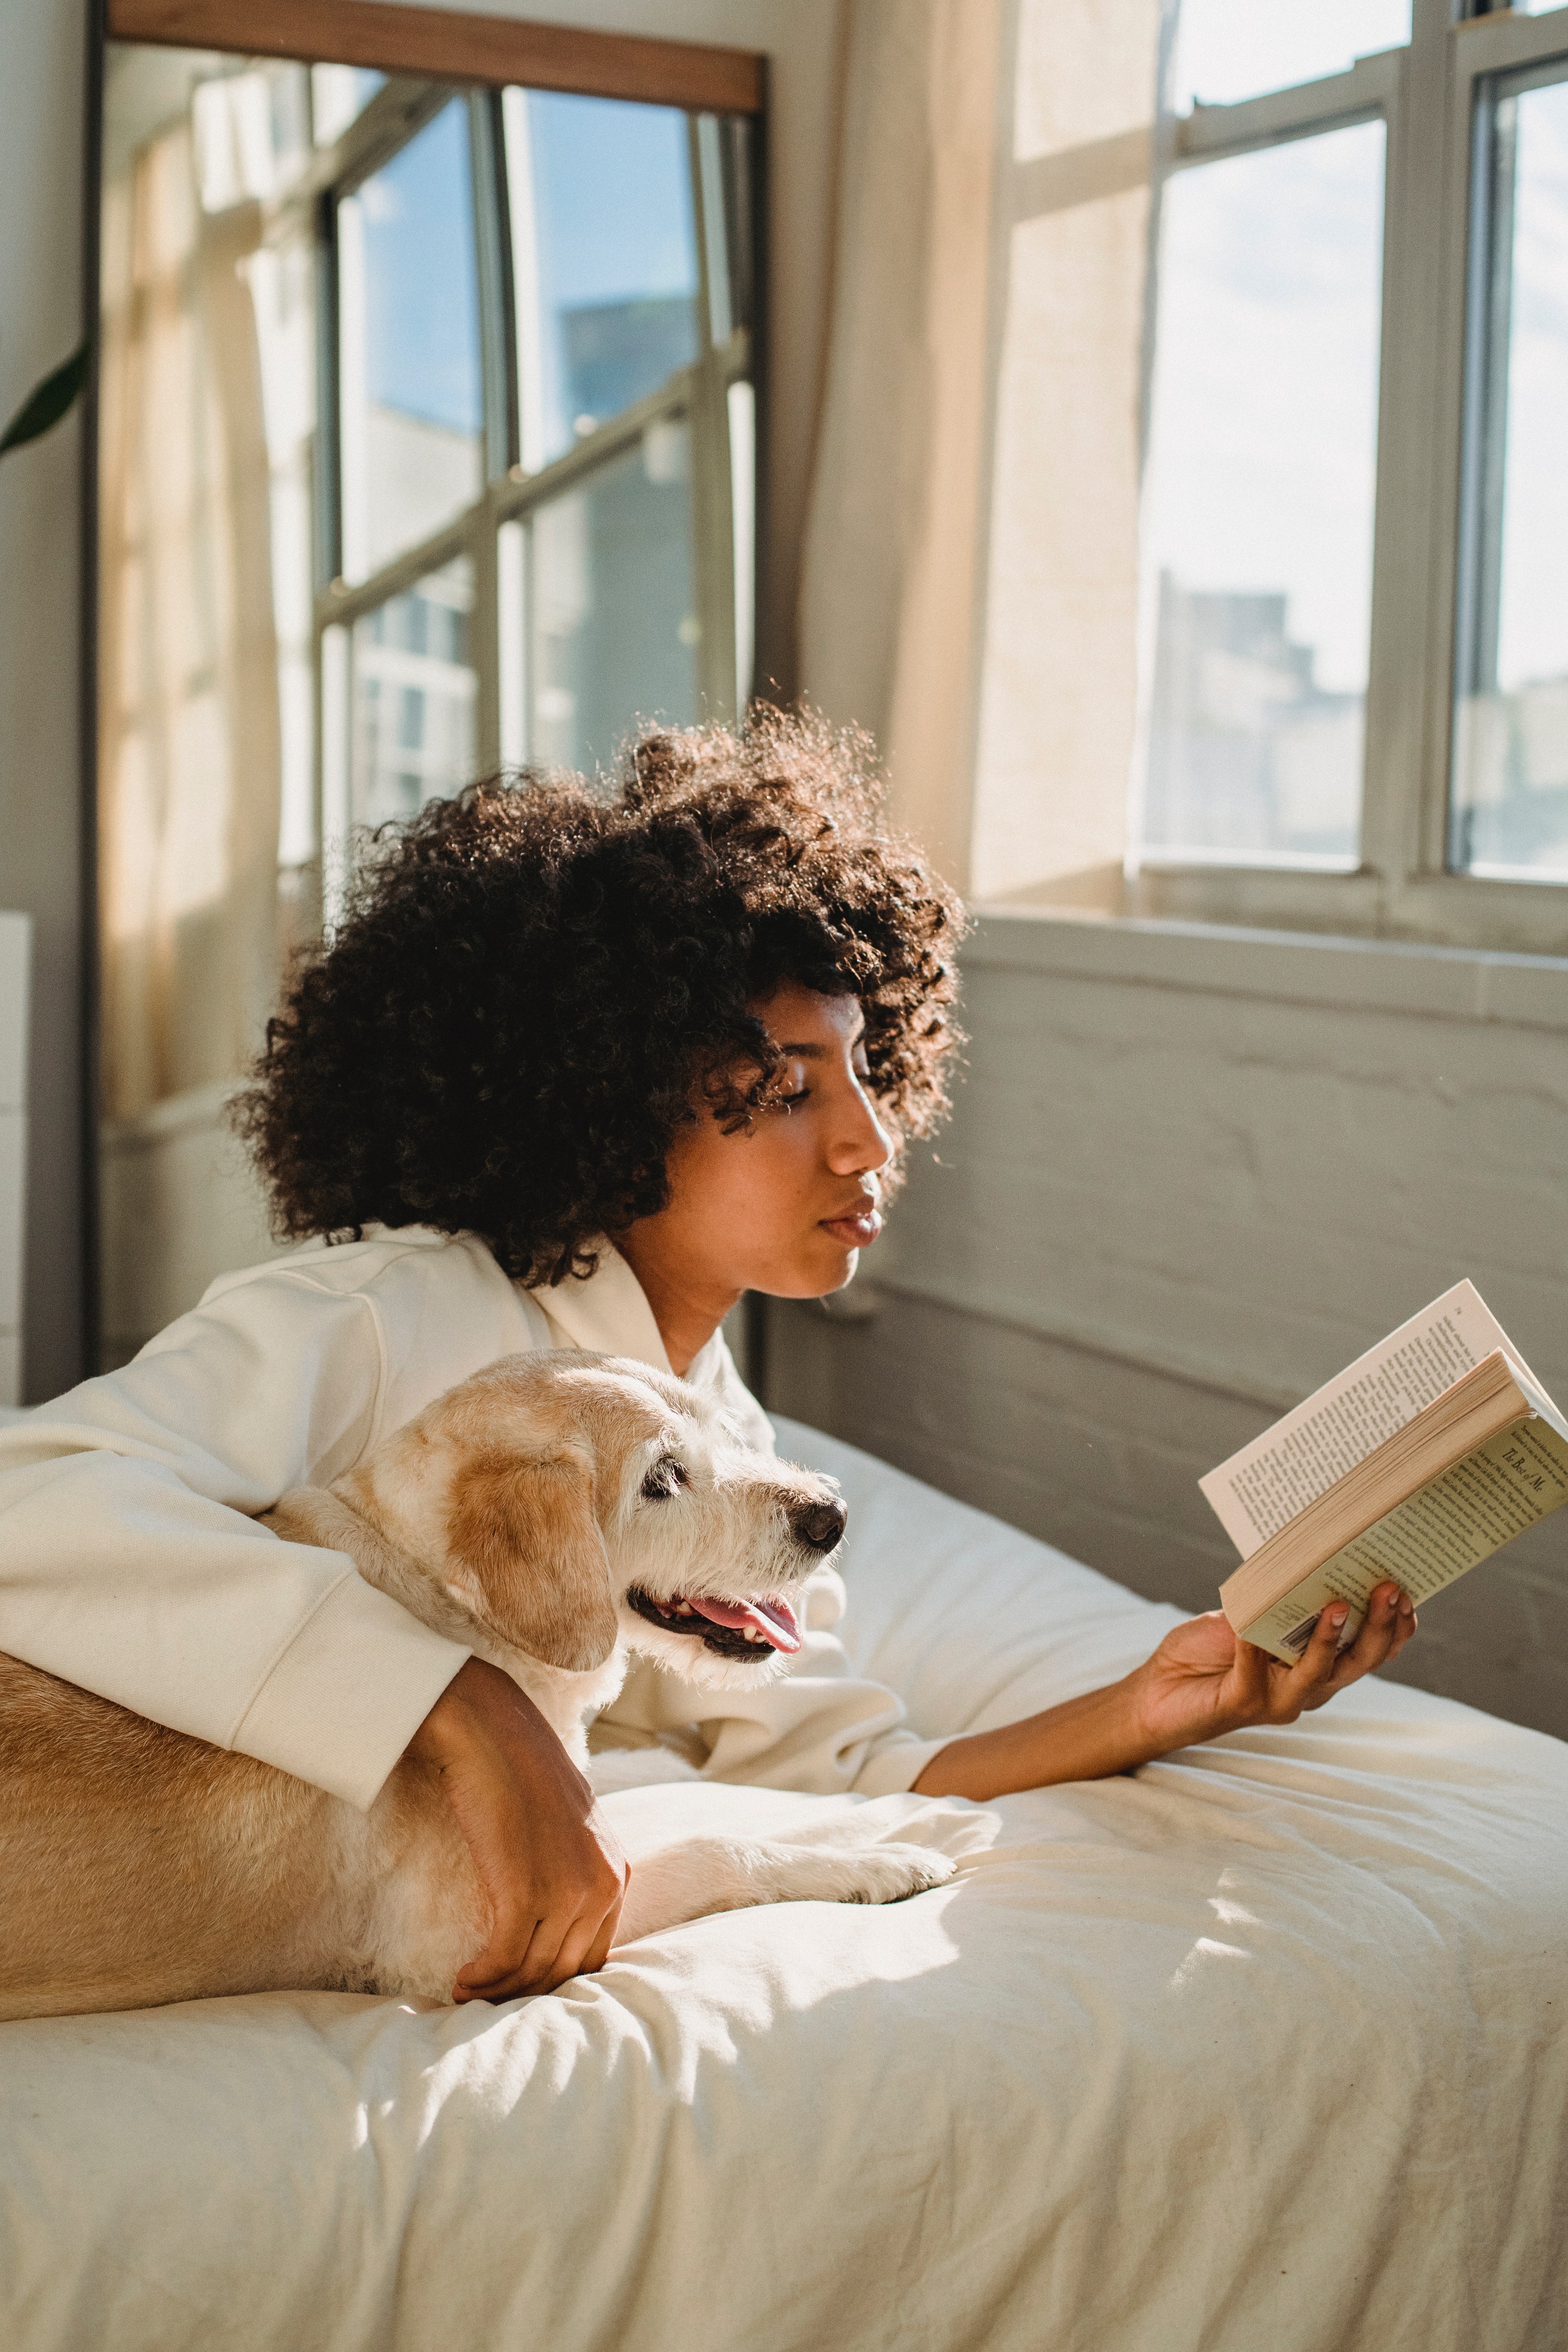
[[774, 1620]]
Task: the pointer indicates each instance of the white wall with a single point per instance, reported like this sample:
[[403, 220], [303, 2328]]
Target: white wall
[[1192, 1173]]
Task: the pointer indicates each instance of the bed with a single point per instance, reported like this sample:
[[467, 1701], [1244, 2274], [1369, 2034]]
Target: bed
[[1262, 2047]]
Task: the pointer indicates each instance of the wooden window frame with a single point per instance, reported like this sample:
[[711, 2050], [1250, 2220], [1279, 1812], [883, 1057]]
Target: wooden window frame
[[451, 45]]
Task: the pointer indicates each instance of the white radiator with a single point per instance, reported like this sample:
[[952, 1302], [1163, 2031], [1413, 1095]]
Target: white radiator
[[15, 956]]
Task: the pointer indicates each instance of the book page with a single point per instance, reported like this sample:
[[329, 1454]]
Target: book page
[[1435, 1535], [1263, 1486]]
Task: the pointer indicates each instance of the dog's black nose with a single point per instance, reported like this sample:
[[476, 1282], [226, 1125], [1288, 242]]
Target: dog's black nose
[[820, 1524]]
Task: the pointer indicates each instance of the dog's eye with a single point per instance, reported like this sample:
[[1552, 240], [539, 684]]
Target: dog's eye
[[665, 1479]]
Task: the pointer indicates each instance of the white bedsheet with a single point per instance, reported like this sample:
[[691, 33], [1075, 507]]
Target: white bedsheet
[[1260, 2052]]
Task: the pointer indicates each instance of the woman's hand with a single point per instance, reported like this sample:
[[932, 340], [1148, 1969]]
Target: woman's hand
[[1204, 1679], [1201, 1681], [548, 1861]]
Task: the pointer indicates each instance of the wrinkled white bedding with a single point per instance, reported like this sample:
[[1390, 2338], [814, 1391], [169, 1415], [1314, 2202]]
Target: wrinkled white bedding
[[1264, 2049]]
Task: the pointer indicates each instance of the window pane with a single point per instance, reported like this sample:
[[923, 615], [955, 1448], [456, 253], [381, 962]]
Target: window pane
[[1511, 770], [1259, 500], [409, 326], [1230, 49], [604, 249], [413, 710], [614, 631]]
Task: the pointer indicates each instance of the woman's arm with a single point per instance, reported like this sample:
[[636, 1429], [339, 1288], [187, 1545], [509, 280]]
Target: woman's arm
[[546, 1857], [1200, 1682], [131, 1560]]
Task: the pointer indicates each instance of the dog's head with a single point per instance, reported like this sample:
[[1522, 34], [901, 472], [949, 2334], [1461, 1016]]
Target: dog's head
[[567, 1502]]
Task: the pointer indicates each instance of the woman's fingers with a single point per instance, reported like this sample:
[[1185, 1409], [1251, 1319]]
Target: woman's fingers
[[1311, 1682], [1386, 1627], [586, 1948]]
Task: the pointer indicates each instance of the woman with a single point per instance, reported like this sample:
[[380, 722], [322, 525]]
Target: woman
[[575, 1071]]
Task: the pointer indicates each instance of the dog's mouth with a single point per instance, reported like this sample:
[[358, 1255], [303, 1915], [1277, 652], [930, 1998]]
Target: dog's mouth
[[735, 1628]]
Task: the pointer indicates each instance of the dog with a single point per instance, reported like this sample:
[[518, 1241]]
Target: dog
[[553, 1514]]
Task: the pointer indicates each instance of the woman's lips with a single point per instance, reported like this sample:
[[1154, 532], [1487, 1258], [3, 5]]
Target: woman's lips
[[857, 1231]]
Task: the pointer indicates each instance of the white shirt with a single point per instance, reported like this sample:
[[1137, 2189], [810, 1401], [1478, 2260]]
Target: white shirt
[[132, 1562]]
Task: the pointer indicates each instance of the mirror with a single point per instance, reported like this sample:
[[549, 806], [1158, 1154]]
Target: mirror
[[427, 437]]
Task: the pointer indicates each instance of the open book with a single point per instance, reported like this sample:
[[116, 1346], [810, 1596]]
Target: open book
[[1417, 1462]]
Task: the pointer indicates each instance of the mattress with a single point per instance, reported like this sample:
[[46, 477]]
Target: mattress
[[1261, 2047]]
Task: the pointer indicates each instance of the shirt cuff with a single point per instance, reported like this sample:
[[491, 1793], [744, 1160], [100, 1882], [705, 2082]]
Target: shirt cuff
[[342, 1701], [895, 1765]]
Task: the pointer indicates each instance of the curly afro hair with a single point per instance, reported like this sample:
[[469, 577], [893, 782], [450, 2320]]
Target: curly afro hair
[[536, 984]]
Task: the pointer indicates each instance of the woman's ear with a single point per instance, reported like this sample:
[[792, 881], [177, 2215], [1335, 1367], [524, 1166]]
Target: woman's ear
[[533, 1568]]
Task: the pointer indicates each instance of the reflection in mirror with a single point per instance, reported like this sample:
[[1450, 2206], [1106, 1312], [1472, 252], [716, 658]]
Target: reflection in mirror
[[603, 224], [612, 600], [411, 398], [428, 444], [413, 685]]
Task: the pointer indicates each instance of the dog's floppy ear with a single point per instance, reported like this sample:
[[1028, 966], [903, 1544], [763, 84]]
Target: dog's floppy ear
[[533, 1563]]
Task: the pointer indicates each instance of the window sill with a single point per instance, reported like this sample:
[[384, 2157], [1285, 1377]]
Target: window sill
[[1289, 967]]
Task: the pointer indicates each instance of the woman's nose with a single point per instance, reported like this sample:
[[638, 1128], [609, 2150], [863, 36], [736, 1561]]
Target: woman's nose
[[864, 1145]]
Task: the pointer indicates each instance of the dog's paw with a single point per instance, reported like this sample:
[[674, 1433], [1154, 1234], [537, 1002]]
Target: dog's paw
[[891, 1872], [883, 1872]]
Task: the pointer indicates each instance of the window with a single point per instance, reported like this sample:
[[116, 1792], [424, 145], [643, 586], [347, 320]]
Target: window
[[1356, 516], [534, 516], [515, 520]]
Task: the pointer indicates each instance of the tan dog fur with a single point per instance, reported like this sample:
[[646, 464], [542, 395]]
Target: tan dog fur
[[141, 1867]]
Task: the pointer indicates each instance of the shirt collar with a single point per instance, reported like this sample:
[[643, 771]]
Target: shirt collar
[[608, 1314]]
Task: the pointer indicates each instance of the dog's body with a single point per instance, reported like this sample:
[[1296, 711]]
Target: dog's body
[[552, 1514]]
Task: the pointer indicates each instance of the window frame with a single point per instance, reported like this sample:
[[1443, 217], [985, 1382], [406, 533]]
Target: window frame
[[1402, 886]]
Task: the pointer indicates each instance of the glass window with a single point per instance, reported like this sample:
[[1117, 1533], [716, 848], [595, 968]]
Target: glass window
[[1510, 738], [1231, 49], [613, 630], [413, 697], [604, 251], [1259, 500], [412, 384]]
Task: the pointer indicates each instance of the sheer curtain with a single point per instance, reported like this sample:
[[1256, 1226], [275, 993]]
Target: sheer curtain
[[189, 752], [890, 563], [970, 581]]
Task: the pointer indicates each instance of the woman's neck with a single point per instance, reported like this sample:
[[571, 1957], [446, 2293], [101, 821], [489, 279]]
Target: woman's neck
[[687, 1305]]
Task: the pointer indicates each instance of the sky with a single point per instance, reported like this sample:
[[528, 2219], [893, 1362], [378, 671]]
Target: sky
[[613, 209], [1262, 448], [422, 323], [613, 191]]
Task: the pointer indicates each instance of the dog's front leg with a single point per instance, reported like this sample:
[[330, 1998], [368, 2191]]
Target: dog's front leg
[[702, 1875]]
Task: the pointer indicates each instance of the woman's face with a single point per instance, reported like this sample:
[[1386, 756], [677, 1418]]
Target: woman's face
[[786, 1208]]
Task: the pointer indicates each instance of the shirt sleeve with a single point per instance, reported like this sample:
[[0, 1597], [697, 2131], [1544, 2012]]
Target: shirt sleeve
[[131, 1563]]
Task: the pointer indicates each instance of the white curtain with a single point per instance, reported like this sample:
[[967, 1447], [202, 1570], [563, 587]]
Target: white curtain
[[970, 579], [890, 565], [189, 753]]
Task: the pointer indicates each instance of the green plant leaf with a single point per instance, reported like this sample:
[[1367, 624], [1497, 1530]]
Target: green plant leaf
[[47, 402]]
